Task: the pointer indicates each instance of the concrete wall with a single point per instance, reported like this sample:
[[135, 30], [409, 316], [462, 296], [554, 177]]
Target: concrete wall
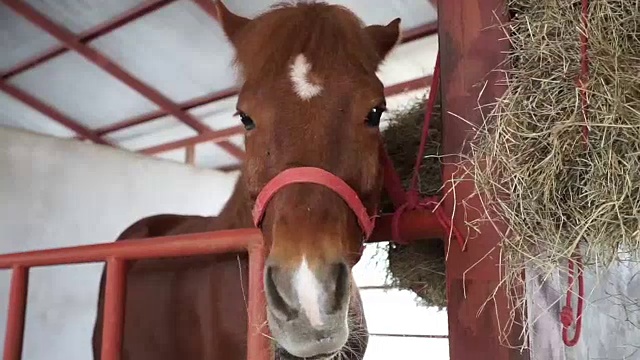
[[611, 318], [60, 193]]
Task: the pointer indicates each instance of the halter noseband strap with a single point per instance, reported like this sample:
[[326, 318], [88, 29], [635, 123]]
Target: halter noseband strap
[[315, 176]]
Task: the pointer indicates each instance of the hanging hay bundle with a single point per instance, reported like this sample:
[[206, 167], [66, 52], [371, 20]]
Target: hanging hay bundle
[[555, 194], [419, 266]]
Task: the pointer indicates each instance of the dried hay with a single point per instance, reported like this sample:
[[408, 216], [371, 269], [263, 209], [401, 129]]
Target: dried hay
[[553, 194], [419, 266]]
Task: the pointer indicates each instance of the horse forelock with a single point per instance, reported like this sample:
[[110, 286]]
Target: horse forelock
[[330, 37]]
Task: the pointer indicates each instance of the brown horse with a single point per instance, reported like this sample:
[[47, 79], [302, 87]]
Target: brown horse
[[310, 98]]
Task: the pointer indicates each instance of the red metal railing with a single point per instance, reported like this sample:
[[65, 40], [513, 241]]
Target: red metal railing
[[116, 254], [417, 224]]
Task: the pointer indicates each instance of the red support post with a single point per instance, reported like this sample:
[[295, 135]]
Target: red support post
[[14, 336], [473, 52], [259, 343], [98, 59], [115, 294]]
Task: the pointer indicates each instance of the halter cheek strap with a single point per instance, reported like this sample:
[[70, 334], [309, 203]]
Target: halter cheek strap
[[318, 176]]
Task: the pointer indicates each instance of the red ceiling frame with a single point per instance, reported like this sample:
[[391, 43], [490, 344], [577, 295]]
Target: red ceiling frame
[[167, 107], [98, 59], [407, 36], [214, 137], [52, 113], [136, 13], [119, 21], [154, 115]]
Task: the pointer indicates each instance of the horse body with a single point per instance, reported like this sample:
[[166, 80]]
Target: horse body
[[310, 98]]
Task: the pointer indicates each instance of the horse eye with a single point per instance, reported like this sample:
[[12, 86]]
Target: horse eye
[[374, 116], [247, 121]]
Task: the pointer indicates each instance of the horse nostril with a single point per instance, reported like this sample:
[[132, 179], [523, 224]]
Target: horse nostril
[[342, 289], [278, 304]]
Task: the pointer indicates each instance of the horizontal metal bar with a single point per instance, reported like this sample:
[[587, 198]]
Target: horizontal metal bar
[[214, 137], [414, 225], [215, 242]]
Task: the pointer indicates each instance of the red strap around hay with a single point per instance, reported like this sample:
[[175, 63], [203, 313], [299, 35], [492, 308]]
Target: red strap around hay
[[413, 199], [315, 176], [566, 316]]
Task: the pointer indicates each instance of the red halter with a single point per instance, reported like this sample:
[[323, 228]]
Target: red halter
[[315, 176]]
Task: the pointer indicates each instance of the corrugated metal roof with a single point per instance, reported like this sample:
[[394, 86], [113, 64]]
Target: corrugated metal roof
[[179, 50], [81, 15], [19, 39]]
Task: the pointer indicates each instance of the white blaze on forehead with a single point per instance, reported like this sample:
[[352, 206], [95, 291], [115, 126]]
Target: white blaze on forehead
[[299, 74], [309, 292]]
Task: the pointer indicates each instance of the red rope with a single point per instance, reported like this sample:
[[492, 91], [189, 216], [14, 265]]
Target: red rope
[[413, 199], [566, 315]]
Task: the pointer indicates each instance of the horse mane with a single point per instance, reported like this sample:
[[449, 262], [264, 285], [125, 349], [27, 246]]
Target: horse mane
[[331, 36]]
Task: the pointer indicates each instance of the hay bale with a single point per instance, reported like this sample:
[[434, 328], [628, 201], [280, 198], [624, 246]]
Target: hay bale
[[552, 192], [419, 266]]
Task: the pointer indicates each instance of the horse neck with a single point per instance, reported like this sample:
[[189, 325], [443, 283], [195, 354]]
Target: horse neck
[[236, 213]]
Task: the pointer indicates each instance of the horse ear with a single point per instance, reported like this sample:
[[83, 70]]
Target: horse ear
[[230, 22], [386, 37]]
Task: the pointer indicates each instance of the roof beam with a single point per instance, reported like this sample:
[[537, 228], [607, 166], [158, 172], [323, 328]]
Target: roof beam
[[98, 59], [154, 115], [119, 21], [419, 32], [51, 113], [215, 137], [411, 85]]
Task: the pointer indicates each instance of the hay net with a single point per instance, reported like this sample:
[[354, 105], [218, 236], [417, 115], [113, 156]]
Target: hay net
[[554, 193], [418, 266]]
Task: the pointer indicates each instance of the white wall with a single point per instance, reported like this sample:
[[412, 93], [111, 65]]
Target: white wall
[[60, 193], [611, 318]]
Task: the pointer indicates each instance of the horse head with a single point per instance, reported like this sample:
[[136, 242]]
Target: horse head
[[311, 104]]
